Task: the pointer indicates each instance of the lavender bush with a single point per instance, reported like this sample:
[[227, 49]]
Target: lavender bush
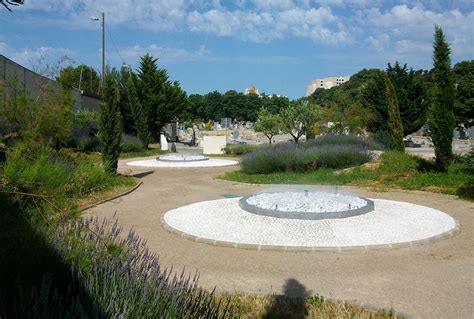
[[115, 276], [324, 152]]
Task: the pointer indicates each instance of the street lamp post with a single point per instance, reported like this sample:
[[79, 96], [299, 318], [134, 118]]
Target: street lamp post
[[103, 42]]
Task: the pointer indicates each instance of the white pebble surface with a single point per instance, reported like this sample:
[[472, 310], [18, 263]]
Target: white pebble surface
[[391, 222], [212, 162], [312, 202]]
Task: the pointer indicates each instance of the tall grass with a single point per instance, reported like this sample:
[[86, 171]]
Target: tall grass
[[51, 181]]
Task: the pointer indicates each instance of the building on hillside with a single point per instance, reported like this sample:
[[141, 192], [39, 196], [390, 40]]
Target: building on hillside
[[251, 90], [326, 83]]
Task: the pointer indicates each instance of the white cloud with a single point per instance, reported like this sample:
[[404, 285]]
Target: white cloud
[[38, 58], [379, 41], [326, 22], [411, 29]]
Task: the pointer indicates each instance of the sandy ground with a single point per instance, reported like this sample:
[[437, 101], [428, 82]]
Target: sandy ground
[[428, 281]]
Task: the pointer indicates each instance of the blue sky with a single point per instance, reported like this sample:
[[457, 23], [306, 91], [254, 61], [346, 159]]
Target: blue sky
[[279, 46]]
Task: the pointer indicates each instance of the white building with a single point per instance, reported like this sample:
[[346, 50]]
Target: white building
[[326, 83]]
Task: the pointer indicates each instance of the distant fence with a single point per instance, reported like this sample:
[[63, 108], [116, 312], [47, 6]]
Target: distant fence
[[34, 82]]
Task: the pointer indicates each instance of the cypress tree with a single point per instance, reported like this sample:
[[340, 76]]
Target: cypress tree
[[139, 115], [441, 120], [394, 122], [110, 124]]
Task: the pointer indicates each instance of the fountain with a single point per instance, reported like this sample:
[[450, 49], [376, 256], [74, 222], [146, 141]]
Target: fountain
[[306, 204], [182, 158], [309, 218]]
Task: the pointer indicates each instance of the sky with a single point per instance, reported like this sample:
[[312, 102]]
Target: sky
[[279, 46]]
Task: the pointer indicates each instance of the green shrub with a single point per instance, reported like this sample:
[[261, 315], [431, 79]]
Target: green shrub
[[85, 129], [130, 144], [53, 179], [324, 152], [239, 149]]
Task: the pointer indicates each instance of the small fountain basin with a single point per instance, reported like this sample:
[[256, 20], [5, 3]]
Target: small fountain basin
[[306, 205], [182, 158]]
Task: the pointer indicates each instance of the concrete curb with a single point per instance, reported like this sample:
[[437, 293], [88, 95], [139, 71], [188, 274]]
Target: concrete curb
[[451, 233], [128, 191]]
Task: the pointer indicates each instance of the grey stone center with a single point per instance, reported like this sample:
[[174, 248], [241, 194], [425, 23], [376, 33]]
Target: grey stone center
[[306, 204]]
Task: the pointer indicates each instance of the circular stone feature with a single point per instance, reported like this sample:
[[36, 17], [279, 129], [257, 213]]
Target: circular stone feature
[[391, 223], [182, 158], [306, 204]]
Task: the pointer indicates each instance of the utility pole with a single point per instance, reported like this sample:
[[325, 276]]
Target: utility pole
[[103, 43], [103, 47]]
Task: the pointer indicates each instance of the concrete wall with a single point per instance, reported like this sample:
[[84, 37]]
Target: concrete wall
[[213, 144], [34, 83]]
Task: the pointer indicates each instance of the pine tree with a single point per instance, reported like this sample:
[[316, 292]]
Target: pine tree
[[441, 120], [110, 124], [138, 113], [394, 121]]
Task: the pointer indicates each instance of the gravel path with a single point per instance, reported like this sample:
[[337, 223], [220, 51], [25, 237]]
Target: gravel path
[[435, 280], [391, 222]]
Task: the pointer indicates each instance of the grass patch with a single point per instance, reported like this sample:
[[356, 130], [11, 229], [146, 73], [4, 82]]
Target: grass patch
[[397, 170], [142, 153], [314, 306]]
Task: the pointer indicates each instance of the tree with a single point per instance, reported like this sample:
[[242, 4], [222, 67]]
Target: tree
[[47, 116], [139, 116], [395, 127], [441, 120], [110, 124], [411, 96], [298, 116], [82, 77], [268, 124], [161, 100], [464, 105], [6, 3]]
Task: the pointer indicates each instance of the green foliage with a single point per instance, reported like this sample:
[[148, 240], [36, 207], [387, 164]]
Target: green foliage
[[411, 95], [46, 117], [82, 77], [233, 104], [130, 144], [394, 121], [139, 115], [322, 152], [267, 123], [85, 129], [441, 118], [239, 149], [110, 124], [398, 170], [298, 117], [464, 105], [62, 176], [160, 99], [208, 125]]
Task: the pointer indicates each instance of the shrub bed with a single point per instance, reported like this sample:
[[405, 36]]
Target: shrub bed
[[52, 181], [324, 152], [239, 149]]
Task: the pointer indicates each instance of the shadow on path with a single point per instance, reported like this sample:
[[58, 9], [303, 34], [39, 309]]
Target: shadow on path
[[142, 174], [292, 304]]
